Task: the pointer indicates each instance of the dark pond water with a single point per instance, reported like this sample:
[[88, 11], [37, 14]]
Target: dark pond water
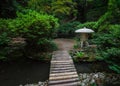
[[23, 72], [90, 67]]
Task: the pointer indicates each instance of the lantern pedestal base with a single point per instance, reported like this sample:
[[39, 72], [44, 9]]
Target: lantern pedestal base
[[84, 44]]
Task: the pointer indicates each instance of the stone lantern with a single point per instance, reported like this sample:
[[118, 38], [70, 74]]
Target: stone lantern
[[84, 36]]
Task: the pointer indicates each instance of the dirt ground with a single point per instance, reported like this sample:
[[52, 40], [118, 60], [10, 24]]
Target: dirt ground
[[64, 44]]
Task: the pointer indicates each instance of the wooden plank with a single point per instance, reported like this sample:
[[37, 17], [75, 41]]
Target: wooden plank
[[62, 71], [62, 74], [61, 68], [66, 84], [64, 81], [63, 77], [67, 73]]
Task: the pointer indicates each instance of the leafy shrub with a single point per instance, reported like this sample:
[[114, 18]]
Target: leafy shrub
[[64, 9], [111, 54], [41, 31], [67, 30], [107, 43], [109, 46], [4, 39], [88, 25], [3, 53], [50, 45], [79, 54], [95, 13], [37, 29], [115, 30], [103, 40], [115, 68], [34, 26], [33, 21]]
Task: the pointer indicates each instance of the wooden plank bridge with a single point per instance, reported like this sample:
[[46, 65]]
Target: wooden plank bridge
[[62, 70]]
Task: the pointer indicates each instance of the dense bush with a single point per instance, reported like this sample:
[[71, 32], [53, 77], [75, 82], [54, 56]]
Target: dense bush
[[37, 29], [67, 30], [4, 38], [40, 31], [109, 45], [111, 56], [50, 45], [88, 25], [34, 26], [108, 39], [115, 30], [103, 40], [95, 13], [41, 24], [103, 23]]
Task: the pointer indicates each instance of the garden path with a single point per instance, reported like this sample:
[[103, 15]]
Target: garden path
[[62, 70], [64, 44]]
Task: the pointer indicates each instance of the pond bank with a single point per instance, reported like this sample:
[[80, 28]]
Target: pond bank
[[96, 74]]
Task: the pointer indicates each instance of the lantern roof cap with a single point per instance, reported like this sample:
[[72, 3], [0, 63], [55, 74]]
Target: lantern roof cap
[[84, 30]]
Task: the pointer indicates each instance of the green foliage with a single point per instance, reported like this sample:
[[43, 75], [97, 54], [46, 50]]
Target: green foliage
[[33, 24], [109, 39], [95, 9], [103, 40], [115, 30], [40, 5], [88, 25], [4, 24], [3, 53], [4, 39], [93, 84], [115, 68], [111, 54], [112, 5], [76, 46], [64, 8], [99, 3], [109, 46], [95, 14], [79, 54], [40, 30], [104, 22], [67, 30], [37, 29], [7, 51], [90, 10], [109, 17], [114, 53], [51, 46], [4, 31]]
